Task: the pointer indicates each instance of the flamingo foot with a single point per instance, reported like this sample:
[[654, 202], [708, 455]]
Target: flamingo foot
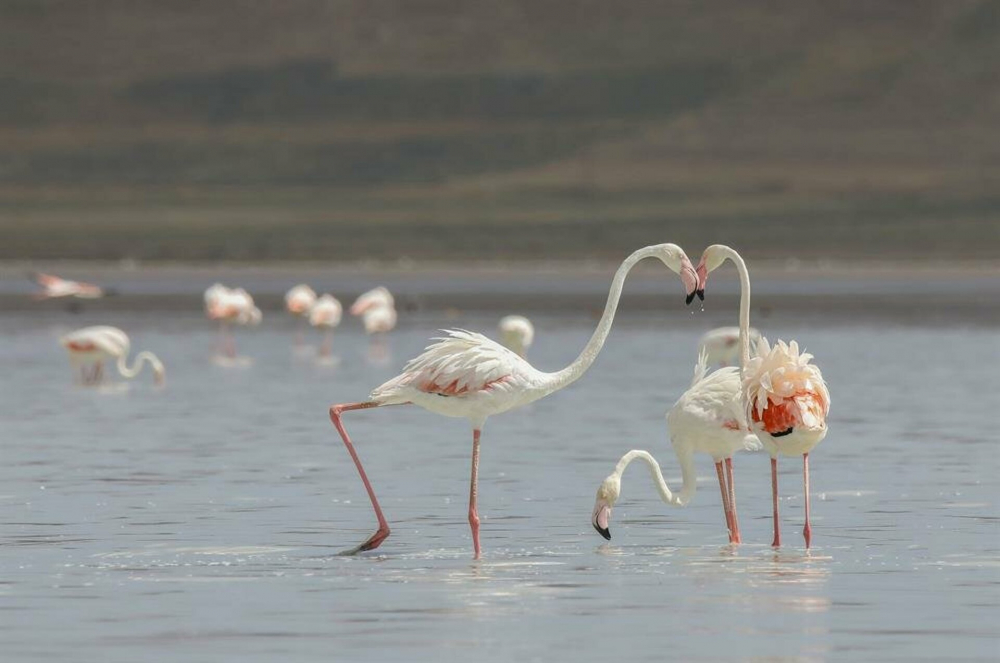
[[373, 542]]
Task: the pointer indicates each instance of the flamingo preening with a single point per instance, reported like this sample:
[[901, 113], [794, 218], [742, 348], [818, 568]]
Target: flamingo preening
[[377, 309], [516, 333], [783, 394], [89, 347], [468, 375], [230, 306], [325, 314]]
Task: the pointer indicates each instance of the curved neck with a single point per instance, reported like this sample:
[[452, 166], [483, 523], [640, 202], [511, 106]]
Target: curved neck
[[741, 267], [687, 474], [140, 359], [580, 365]]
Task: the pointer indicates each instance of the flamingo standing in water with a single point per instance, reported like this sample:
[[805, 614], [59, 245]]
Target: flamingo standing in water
[[516, 333], [722, 345], [230, 306], [325, 314], [89, 347], [468, 375], [377, 309], [299, 301], [783, 394]]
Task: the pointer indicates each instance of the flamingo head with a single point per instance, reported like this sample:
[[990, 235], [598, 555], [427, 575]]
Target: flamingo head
[[711, 260], [677, 261], [159, 375], [607, 495]]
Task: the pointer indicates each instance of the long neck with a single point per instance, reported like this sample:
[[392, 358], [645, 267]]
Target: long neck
[[140, 359], [687, 473], [580, 365], [741, 267]]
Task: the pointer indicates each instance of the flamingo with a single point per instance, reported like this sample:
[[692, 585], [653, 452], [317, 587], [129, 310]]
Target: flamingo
[[468, 375], [325, 313], [707, 418], [299, 301], [783, 394], [377, 309], [230, 306], [516, 333], [723, 345], [90, 346], [54, 286]]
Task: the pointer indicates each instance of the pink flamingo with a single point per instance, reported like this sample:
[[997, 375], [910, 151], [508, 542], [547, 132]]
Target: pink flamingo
[[468, 375], [325, 314], [784, 395]]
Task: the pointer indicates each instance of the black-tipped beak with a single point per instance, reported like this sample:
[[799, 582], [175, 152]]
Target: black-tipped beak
[[701, 294], [689, 298], [603, 531]]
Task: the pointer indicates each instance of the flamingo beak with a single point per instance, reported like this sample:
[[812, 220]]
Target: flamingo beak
[[702, 273], [601, 519], [690, 279]]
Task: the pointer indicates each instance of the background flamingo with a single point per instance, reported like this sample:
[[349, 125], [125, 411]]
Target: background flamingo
[[299, 301], [377, 309], [784, 395], [325, 314], [516, 333], [89, 347], [230, 306], [707, 418], [468, 375], [722, 345]]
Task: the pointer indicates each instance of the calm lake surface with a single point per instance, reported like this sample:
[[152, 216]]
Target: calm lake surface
[[202, 521]]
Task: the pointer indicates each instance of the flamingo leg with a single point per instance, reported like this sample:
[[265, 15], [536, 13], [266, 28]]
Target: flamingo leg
[[725, 498], [807, 531], [737, 538], [327, 346], [474, 492], [382, 534], [230, 342], [774, 498]]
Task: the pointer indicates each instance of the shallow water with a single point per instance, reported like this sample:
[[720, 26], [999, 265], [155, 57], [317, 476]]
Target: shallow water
[[202, 521]]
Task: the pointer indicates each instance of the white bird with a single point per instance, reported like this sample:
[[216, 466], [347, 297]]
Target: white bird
[[516, 333], [470, 376], [230, 306], [299, 301], [707, 418], [89, 347], [325, 314], [54, 287], [722, 345], [783, 394], [377, 309]]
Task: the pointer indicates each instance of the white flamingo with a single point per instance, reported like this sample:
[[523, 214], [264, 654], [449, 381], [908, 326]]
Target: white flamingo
[[783, 394], [325, 314], [516, 333], [722, 345], [468, 375], [89, 347], [707, 418], [377, 309], [54, 287], [230, 306], [299, 301]]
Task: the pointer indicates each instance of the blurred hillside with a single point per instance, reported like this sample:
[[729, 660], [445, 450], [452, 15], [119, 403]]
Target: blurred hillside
[[352, 129]]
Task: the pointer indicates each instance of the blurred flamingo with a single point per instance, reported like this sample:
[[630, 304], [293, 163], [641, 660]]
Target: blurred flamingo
[[89, 347], [299, 301], [377, 309], [468, 375], [722, 345], [516, 333], [325, 314], [230, 306], [783, 394]]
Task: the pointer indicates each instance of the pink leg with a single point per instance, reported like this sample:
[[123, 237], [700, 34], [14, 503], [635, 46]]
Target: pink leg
[[382, 534], [807, 531], [774, 498], [327, 346], [474, 492], [732, 501], [725, 499], [230, 343]]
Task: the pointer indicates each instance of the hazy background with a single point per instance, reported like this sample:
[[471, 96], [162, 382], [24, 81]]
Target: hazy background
[[494, 130]]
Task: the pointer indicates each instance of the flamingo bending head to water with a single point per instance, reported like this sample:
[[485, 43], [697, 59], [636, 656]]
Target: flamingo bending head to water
[[783, 393], [325, 314], [516, 333], [468, 375], [89, 347]]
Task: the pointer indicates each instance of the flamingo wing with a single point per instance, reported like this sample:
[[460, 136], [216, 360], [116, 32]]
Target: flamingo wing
[[459, 364]]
